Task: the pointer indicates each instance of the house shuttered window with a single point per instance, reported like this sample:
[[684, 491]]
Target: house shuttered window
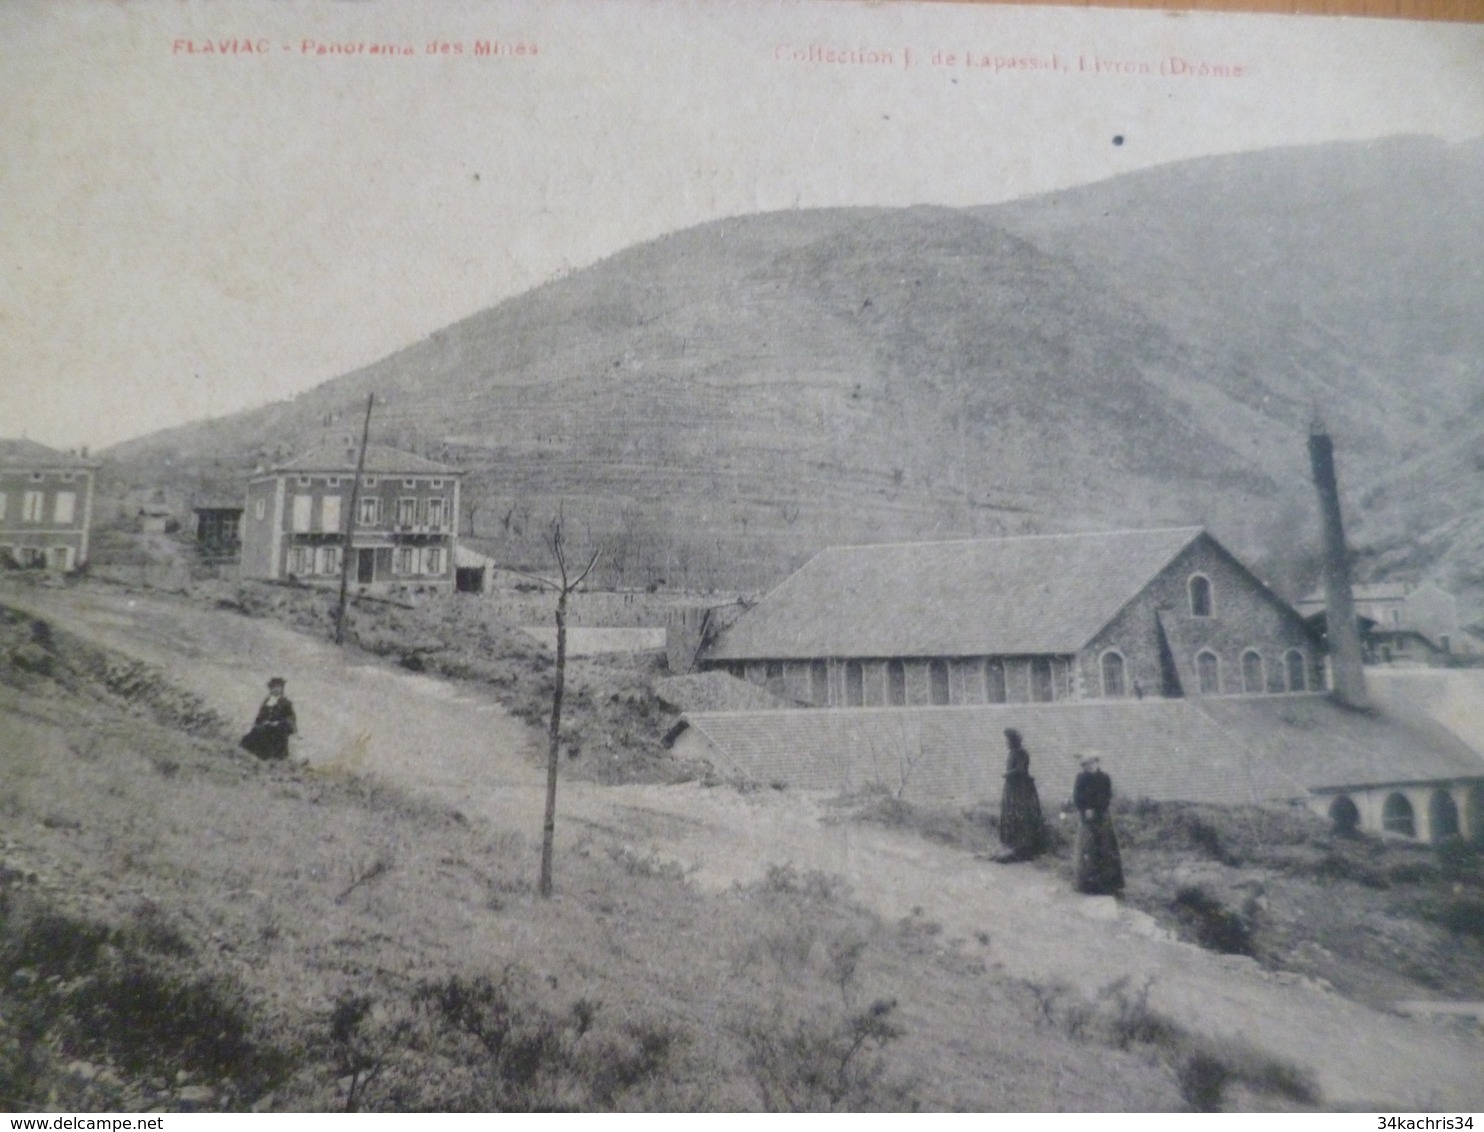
[[303, 514]]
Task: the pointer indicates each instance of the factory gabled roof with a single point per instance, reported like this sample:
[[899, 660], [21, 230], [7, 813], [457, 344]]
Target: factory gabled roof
[[1042, 594]]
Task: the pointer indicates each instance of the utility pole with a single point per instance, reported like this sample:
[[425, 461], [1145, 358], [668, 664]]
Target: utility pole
[[350, 523]]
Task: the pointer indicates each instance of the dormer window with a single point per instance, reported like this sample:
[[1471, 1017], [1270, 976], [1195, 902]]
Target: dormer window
[[1200, 595]]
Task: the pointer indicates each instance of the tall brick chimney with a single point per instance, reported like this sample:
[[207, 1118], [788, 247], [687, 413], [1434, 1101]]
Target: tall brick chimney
[[1346, 673]]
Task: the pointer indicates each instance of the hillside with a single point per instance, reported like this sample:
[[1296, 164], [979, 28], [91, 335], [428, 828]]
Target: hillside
[[722, 401]]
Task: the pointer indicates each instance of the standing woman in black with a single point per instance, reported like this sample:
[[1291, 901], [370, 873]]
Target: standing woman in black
[[1022, 830], [1099, 864]]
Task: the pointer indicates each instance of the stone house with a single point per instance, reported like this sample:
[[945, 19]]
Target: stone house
[[46, 506], [403, 536], [218, 530], [1402, 623], [1115, 615]]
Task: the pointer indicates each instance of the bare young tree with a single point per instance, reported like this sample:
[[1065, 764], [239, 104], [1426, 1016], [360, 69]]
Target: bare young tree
[[564, 584]]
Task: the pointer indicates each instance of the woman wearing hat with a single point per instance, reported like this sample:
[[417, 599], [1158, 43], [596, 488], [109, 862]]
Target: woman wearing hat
[[1022, 830], [1099, 864], [269, 737]]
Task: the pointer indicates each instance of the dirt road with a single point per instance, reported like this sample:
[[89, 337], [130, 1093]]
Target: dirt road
[[457, 745]]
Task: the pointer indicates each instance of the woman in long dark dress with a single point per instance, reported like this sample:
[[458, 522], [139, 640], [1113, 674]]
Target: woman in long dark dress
[[1022, 829], [1099, 863], [275, 722]]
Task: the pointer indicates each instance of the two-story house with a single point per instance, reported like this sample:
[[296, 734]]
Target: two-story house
[[402, 535], [46, 506], [1402, 623]]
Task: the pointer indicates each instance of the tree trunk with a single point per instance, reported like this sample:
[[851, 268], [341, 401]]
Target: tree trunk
[[553, 750]]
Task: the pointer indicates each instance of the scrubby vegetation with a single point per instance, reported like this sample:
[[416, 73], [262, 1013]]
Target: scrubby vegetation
[[1380, 919], [613, 723], [182, 927]]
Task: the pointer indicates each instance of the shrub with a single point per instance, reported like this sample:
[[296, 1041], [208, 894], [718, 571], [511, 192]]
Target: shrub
[[1128, 1018], [825, 1064], [1215, 927], [1202, 1078], [130, 998], [1340, 866], [481, 1045], [1462, 915], [812, 884], [1207, 1067]]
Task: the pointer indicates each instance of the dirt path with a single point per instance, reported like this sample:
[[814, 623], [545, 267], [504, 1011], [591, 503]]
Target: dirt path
[[454, 744]]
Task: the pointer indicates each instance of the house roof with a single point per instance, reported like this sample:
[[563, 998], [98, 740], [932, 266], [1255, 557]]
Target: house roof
[[380, 460], [1226, 751], [1163, 749], [1011, 596], [24, 453], [466, 559], [716, 691], [1360, 591]]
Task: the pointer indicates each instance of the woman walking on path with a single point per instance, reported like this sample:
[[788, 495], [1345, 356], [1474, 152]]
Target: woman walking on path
[[1099, 864], [1022, 829]]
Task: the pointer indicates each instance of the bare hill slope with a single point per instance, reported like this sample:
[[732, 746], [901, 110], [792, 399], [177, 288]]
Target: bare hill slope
[[1149, 349]]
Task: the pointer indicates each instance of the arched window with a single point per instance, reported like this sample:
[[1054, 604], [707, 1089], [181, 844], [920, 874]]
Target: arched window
[[1252, 680], [1396, 816], [819, 683], [938, 681], [1345, 815], [773, 676], [855, 684], [896, 683], [1113, 674], [1293, 661], [1208, 673], [1042, 688], [994, 681], [1200, 595], [1442, 816]]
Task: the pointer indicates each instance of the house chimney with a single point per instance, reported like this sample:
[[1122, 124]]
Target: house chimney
[[1346, 674]]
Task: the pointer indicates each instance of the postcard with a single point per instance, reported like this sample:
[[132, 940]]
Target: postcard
[[803, 555]]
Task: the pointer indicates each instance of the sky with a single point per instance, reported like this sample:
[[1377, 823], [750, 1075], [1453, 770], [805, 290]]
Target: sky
[[210, 205]]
